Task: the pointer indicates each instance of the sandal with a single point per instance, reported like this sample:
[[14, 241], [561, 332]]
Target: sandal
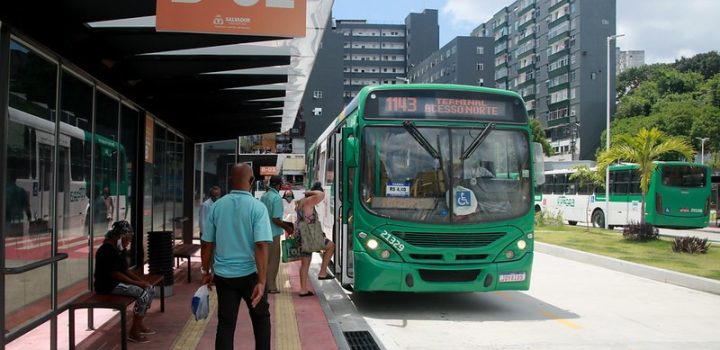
[[273, 291], [326, 277], [148, 331], [308, 294], [140, 339]]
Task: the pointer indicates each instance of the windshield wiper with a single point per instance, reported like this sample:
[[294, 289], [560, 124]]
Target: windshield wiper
[[477, 141], [415, 133]]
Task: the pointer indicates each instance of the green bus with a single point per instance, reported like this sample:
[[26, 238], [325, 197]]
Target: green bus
[[679, 196], [429, 189]]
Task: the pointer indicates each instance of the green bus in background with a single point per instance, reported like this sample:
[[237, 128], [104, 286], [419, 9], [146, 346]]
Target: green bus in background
[[429, 189], [679, 196]]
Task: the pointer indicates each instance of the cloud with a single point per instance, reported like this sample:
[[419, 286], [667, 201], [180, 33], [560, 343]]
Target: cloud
[[465, 13], [668, 29]]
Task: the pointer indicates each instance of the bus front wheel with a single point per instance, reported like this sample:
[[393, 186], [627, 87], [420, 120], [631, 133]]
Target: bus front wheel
[[598, 219]]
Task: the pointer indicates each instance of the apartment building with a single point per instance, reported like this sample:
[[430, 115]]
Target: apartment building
[[381, 53], [629, 59], [554, 53], [464, 60]]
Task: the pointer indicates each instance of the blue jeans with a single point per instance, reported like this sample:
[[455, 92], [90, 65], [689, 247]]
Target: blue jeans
[[230, 292], [143, 297]]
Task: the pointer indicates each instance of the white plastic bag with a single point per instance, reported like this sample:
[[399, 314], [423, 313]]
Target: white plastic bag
[[201, 303]]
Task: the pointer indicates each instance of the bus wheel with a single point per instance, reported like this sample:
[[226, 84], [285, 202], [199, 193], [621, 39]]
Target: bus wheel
[[572, 223], [598, 219]]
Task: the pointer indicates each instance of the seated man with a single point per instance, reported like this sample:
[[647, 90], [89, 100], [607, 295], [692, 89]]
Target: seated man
[[113, 277]]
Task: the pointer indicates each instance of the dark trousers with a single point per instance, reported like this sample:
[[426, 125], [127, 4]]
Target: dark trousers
[[230, 292]]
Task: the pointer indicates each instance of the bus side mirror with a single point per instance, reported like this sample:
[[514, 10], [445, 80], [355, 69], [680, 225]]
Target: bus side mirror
[[350, 148], [539, 162]]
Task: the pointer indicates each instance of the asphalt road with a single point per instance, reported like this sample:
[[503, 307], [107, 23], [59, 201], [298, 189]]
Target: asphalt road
[[570, 305]]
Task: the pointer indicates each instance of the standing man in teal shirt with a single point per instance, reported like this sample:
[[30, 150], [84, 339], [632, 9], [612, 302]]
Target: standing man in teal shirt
[[237, 234], [274, 205]]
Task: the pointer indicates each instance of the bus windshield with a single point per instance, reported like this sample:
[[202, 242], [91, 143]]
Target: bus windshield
[[404, 181], [683, 176]]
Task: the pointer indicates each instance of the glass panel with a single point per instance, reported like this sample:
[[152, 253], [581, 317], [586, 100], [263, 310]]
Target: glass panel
[[159, 180], [105, 165], [73, 204], [178, 178], [27, 297], [127, 193], [30, 146]]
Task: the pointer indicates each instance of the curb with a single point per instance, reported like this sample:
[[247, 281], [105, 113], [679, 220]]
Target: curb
[[653, 273]]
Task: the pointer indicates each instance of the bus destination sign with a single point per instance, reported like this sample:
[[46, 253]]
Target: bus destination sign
[[444, 105]]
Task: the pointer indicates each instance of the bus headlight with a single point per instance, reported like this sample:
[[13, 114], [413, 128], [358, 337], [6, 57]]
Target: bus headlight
[[362, 235], [372, 244], [521, 244], [385, 254], [509, 254]]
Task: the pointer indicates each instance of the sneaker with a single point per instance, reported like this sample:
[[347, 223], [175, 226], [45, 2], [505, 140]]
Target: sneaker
[[141, 339]]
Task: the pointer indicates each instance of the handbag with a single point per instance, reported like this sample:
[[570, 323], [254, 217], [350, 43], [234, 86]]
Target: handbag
[[312, 235], [290, 251]]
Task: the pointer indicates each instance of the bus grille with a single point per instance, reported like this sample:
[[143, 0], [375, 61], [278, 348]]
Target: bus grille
[[449, 240], [449, 275]]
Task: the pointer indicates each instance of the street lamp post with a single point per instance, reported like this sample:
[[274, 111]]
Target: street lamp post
[[607, 131], [702, 148]]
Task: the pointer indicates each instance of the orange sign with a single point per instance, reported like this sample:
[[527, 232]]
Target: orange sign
[[268, 170], [284, 18], [149, 139]]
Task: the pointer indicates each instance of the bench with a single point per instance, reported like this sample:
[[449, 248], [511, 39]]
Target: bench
[[91, 301], [185, 251]]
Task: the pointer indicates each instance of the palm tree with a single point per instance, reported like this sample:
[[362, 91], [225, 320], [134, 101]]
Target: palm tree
[[643, 149]]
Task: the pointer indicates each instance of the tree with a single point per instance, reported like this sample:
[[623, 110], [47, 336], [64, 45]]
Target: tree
[[707, 64], [644, 148], [538, 135]]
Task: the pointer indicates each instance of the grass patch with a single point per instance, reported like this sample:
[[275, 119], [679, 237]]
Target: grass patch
[[657, 253]]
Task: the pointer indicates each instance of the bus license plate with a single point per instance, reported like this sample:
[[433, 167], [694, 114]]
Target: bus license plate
[[512, 277]]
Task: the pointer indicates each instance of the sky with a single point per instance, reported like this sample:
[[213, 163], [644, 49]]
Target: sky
[[665, 29]]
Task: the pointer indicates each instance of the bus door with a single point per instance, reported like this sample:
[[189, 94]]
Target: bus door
[[343, 249], [41, 193]]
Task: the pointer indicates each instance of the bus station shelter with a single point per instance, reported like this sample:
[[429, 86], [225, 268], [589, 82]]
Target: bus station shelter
[[100, 115]]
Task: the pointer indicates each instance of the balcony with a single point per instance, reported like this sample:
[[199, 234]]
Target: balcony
[[557, 4], [525, 7], [556, 22], [559, 121]]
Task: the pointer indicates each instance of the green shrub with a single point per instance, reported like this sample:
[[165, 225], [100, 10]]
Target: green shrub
[[543, 218], [690, 245], [636, 231]]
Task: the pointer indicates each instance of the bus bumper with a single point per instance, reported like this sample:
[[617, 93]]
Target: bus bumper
[[376, 275]]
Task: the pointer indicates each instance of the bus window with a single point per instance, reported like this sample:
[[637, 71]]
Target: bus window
[[683, 176], [77, 160], [560, 182], [635, 182], [547, 188], [620, 181]]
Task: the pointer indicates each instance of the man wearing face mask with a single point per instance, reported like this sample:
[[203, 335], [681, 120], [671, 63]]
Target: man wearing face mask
[[213, 195], [235, 258], [273, 203], [113, 277]]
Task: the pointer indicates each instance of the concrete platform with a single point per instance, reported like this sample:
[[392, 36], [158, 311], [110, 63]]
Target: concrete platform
[[297, 323]]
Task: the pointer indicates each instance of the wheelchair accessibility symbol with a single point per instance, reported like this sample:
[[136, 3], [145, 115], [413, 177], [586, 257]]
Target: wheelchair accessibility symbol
[[462, 198]]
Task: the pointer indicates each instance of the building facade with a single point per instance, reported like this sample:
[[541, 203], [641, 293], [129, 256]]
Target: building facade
[[464, 60], [381, 53], [554, 53], [629, 59]]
